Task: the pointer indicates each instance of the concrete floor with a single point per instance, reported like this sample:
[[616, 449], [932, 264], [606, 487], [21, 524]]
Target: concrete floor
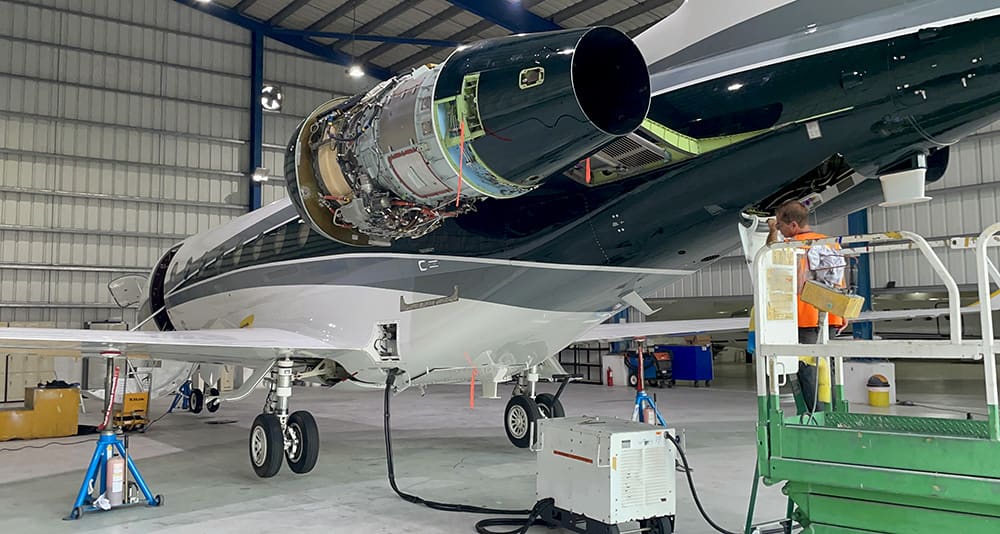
[[444, 451]]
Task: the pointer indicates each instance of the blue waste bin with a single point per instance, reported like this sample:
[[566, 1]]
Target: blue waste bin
[[691, 362]]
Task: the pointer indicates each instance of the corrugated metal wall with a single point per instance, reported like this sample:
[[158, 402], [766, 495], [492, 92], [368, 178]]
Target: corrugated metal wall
[[965, 201], [123, 129]]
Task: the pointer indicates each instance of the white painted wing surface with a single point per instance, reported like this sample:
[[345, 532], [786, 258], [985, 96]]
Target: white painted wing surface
[[224, 346], [664, 328], [610, 332]]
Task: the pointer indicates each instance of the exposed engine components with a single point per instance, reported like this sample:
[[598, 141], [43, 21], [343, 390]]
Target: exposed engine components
[[493, 121]]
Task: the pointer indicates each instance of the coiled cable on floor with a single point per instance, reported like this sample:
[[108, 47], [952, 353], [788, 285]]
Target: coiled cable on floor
[[531, 516]]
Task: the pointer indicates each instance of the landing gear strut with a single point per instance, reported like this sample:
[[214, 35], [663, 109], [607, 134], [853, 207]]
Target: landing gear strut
[[276, 433], [525, 407]]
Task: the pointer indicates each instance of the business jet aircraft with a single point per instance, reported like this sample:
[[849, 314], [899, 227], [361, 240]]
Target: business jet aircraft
[[484, 213]]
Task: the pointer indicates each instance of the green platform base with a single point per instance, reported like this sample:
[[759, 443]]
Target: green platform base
[[864, 473]]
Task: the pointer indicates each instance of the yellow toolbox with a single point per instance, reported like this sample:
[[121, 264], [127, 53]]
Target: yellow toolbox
[[47, 413]]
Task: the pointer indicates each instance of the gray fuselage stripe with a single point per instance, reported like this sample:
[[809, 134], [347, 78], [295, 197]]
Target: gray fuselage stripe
[[535, 287]]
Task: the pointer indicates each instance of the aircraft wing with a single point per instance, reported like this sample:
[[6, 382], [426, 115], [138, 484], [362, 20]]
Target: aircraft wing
[[611, 332], [223, 346]]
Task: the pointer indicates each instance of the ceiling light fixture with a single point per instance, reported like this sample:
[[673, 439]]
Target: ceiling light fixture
[[271, 97]]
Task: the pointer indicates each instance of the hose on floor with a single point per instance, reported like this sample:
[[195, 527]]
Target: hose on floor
[[531, 516]]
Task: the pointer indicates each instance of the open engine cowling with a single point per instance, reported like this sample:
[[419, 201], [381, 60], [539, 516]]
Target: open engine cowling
[[493, 121]]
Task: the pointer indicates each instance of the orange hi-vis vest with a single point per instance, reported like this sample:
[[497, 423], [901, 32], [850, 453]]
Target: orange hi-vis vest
[[808, 314]]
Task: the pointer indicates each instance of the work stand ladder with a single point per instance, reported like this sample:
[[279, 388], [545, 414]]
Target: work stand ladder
[[860, 472]]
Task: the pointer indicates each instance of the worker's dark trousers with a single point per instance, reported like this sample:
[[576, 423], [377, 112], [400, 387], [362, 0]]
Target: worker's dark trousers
[[808, 375]]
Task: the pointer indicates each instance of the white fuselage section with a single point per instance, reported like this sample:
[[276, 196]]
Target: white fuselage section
[[447, 339]]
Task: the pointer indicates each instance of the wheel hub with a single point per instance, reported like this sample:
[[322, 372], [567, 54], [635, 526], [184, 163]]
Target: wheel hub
[[517, 421], [293, 442], [258, 446]]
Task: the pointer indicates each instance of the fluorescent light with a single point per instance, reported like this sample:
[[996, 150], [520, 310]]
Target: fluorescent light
[[260, 174], [355, 71], [735, 87]]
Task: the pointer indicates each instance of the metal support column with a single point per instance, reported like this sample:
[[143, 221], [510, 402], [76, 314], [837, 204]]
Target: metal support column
[[857, 223], [256, 116]]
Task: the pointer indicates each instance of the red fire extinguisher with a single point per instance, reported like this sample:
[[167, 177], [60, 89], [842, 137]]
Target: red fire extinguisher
[[610, 378]]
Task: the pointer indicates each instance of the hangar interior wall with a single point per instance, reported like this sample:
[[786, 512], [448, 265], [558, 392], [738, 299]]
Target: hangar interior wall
[[124, 128], [965, 201]]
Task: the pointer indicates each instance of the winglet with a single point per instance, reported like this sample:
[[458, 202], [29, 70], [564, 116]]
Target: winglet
[[636, 301]]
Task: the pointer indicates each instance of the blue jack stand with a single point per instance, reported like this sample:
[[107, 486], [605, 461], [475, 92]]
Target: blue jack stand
[[107, 443], [642, 400], [183, 396]]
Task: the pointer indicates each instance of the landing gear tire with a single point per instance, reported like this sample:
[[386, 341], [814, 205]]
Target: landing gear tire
[[197, 401], [303, 438], [549, 406], [519, 420], [213, 403], [266, 445]]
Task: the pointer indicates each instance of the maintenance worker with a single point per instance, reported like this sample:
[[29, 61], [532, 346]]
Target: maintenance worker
[[792, 220]]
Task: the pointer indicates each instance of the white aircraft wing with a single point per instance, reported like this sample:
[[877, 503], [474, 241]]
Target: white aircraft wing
[[224, 346], [613, 331], [610, 332]]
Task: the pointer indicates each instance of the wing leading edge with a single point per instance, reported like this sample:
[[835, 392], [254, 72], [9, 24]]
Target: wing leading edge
[[223, 346], [610, 332]]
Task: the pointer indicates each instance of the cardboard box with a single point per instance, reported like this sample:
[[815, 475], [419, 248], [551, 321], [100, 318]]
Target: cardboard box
[[700, 339], [831, 300]]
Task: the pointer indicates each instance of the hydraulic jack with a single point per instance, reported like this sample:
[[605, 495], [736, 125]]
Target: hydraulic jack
[[103, 461]]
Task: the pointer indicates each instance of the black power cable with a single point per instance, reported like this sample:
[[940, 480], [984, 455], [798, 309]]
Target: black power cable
[[532, 515], [694, 492], [51, 443]]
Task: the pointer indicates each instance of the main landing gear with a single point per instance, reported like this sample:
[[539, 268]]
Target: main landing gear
[[276, 433], [525, 408]]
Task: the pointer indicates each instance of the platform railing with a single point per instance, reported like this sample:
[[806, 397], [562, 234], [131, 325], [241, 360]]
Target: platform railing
[[953, 348], [984, 271], [869, 472]]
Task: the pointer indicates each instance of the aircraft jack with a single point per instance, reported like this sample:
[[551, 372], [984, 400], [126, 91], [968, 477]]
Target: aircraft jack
[[107, 445], [182, 398], [643, 402]]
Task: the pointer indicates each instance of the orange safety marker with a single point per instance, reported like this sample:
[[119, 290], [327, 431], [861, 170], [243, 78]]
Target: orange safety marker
[[588, 170]]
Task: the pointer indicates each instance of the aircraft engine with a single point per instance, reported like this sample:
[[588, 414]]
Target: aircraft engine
[[493, 121]]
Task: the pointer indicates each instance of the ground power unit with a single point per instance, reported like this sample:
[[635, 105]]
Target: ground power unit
[[603, 472]]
